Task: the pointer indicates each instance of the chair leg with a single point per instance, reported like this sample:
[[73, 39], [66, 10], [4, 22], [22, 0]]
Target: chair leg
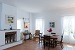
[[62, 45], [44, 45], [39, 39], [49, 46]]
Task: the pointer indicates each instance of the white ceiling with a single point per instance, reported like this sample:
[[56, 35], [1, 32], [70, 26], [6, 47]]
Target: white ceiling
[[40, 5]]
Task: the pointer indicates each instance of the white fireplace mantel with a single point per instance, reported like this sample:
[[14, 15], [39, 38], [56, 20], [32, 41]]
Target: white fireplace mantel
[[2, 39]]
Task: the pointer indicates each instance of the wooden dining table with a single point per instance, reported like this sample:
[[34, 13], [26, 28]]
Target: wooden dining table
[[53, 38]]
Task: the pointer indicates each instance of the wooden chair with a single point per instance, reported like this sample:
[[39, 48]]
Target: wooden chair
[[37, 35], [54, 41], [53, 34], [47, 41], [41, 38], [60, 42]]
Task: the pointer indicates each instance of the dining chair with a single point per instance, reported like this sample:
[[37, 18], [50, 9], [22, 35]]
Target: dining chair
[[53, 33], [47, 41], [41, 38], [37, 35], [60, 42]]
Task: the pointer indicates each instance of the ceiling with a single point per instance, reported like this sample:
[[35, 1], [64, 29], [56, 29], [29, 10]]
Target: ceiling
[[40, 5]]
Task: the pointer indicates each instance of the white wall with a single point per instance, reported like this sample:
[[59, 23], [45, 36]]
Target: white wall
[[16, 13], [23, 14], [11, 11], [0, 14], [48, 18], [31, 23]]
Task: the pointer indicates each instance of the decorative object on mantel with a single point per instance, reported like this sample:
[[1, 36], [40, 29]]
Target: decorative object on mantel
[[9, 19], [52, 24], [10, 27], [50, 30]]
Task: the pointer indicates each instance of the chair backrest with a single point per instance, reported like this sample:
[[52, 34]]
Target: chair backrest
[[61, 38], [53, 33], [37, 32], [47, 38]]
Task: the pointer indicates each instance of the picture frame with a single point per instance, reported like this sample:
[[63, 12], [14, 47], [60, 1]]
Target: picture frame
[[9, 19], [26, 25], [52, 24]]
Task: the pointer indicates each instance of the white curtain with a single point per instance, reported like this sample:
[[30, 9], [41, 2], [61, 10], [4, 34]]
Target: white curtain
[[39, 25], [69, 29]]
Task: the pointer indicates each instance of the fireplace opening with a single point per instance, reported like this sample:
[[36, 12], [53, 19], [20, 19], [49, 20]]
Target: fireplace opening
[[10, 37]]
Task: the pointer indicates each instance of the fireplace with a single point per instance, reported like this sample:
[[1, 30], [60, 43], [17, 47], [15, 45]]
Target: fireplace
[[10, 37]]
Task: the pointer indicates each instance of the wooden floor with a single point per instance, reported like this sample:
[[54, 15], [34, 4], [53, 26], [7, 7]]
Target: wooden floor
[[34, 45]]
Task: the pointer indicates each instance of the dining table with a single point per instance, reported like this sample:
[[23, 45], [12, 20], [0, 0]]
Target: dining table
[[53, 38]]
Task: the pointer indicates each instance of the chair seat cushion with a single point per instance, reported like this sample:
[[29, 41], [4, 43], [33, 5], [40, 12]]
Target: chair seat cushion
[[36, 36]]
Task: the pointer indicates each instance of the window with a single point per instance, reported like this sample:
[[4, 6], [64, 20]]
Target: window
[[39, 23], [19, 24], [68, 24], [69, 29]]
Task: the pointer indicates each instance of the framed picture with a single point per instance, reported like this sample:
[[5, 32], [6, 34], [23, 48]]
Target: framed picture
[[26, 25], [9, 19], [52, 24]]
